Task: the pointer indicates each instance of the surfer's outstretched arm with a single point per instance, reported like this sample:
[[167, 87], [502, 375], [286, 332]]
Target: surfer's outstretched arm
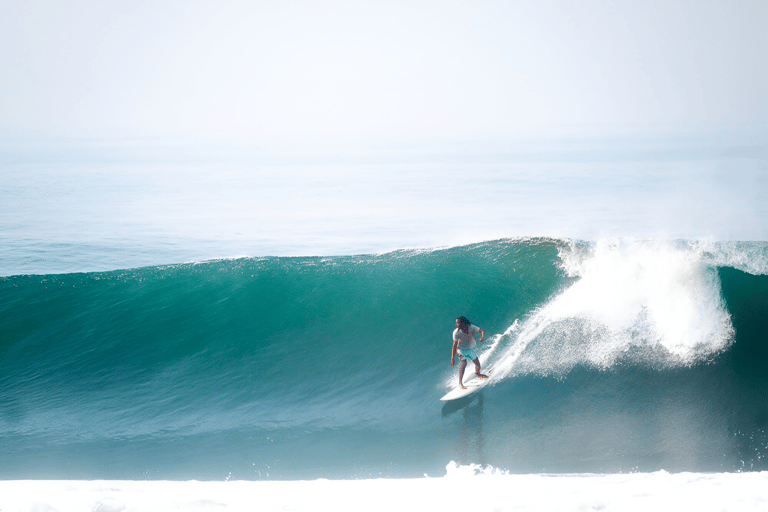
[[453, 352]]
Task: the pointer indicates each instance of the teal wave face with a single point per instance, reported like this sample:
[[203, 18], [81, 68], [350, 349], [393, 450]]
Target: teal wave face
[[277, 331], [315, 367]]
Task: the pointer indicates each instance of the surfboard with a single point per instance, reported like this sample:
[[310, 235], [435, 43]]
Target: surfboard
[[471, 382]]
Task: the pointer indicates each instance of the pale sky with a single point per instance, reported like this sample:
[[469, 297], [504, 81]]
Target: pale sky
[[253, 71]]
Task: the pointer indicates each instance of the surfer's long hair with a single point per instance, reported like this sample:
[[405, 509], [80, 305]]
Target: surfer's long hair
[[464, 324]]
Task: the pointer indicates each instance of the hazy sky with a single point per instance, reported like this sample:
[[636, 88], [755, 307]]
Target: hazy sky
[[391, 70]]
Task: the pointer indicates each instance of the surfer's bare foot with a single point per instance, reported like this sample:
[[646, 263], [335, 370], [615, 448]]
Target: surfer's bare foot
[[463, 386], [481, 376]]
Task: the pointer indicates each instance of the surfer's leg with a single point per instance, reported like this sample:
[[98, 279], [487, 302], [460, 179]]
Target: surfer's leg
[[461, 372], [477, 369]]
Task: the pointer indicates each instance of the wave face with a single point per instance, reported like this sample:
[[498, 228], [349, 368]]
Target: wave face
[[609, 357]]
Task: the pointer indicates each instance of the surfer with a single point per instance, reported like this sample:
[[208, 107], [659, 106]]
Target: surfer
[[464, 343]]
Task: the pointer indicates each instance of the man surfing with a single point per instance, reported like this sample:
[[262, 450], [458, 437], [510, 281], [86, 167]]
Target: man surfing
[[464, 344]]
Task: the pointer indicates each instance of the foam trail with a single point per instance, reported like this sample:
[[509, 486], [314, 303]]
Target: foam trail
[[530, 330], [495, 341], [645, 302]]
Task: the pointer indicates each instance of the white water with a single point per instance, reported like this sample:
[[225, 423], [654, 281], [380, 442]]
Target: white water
[[649, 302], [462, 488]]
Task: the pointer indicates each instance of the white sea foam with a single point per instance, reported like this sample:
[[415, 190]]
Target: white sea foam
[[644, 301], [751, 257], [461, 488]]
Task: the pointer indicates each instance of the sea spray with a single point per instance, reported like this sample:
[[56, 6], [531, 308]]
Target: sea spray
[[639, 302]]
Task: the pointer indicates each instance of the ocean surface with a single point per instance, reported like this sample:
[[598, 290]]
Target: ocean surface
[[608, 358], [174, 319]]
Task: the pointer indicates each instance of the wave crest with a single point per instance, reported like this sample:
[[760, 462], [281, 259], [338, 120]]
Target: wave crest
[[658, 303]]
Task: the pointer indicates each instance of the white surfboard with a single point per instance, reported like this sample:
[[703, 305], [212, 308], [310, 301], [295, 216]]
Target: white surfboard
[[472, 382]]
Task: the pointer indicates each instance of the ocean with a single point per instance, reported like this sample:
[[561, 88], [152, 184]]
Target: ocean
[[183, 329]]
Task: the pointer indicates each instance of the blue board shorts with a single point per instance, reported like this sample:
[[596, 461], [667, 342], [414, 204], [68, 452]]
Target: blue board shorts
[[469, 353]]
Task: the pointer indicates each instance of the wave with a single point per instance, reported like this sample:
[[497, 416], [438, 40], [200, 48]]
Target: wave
[[633, 302], [321, 366]]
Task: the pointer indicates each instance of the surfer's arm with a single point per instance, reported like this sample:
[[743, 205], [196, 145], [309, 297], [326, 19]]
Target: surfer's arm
[[453, 352], [482, 335]]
